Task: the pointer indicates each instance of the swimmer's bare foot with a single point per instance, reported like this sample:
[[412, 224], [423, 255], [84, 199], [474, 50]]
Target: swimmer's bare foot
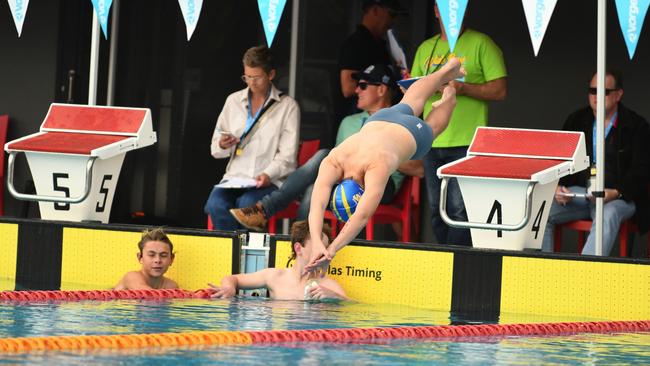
[[448, 99], [452, 70], [442, 110]]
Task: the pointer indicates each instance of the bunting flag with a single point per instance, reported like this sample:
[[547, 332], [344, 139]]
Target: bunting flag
[[103, 8], [452, 13], [631, 14], [271, 12], [18, 10], [191, 10], [538, 14]]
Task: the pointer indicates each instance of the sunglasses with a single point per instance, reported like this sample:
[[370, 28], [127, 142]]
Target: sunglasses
[[363, 85], [594, 91]]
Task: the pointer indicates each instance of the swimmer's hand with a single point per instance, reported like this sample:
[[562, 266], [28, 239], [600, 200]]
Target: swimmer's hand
[[222, 292], [320, 258], [319, 292]]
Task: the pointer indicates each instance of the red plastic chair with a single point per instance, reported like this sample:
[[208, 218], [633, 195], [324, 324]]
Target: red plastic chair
[[404, 208], [584, 226], [4, 122], [307, 149]]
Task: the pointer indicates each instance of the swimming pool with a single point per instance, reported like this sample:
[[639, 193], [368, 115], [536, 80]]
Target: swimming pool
[[186, 315]]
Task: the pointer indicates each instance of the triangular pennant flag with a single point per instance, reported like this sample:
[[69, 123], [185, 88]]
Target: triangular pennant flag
[[538, 14], [18, 11], [191, 10], [631, 14], [103, 8], [452, 13], [271, 12]]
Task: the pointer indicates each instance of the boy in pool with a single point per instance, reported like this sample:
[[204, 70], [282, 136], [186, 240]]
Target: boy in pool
[[388, 138], [156, 255], [287, 283]]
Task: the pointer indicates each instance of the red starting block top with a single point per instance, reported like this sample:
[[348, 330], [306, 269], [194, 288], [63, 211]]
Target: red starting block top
[[96, 131], [500, 167], [502, 141], [115, 121], [66, 142], [507, 153]]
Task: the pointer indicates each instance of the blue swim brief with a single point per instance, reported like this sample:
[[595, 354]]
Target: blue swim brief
[[402, 114]]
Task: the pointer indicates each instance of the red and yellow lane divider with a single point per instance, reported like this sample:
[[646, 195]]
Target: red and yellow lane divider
[[101, 295], [127, 341]]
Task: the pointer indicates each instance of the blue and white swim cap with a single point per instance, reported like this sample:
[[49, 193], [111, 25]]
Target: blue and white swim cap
[[345, 197]]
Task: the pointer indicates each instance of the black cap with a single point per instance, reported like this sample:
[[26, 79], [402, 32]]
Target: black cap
[[393, 5], [378, 73]]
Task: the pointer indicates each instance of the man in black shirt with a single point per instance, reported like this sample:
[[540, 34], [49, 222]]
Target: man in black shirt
[[627, 169], [366, 46]]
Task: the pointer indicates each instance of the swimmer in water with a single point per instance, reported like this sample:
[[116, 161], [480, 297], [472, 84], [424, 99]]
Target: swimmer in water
[[156, 254], [387, 139], [287, 283]]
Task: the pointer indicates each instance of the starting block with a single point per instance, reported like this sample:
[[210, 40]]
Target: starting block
[[508, 177], [75, 159]]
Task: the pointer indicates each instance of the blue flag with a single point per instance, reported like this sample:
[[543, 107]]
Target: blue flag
[[631, 14], [452, 13], [102, 8], [271, 12]]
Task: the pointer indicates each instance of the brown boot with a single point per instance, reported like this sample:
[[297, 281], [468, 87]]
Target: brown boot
[[250, 217]]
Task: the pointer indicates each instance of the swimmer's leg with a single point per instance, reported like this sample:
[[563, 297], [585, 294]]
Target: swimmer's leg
[[418, 93], [439, 116]]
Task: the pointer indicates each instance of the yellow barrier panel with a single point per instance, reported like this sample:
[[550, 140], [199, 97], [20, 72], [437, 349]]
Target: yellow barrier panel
[[97, 259], [600, 290], [8, 256], [398, 276]]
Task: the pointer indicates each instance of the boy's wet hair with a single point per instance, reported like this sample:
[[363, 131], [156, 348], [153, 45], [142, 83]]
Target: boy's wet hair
[[300, 234], [157, 234]]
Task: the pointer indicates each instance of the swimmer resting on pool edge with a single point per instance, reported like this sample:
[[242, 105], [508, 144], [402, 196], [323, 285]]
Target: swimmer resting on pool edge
[[287, 283]]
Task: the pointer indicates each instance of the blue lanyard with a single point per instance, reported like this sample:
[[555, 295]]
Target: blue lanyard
[[593, 136], [250, 118]]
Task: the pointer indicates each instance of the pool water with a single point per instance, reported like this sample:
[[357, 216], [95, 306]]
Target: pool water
[[131, 316]]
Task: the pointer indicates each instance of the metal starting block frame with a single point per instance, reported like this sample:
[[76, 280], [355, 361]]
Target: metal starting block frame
[[76, 158], [508, 176]]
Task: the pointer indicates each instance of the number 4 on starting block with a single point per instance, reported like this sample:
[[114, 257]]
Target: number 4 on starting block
[[508, 181]]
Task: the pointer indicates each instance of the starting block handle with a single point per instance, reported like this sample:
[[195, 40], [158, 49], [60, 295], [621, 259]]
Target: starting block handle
[[36, 197], [483, 225]]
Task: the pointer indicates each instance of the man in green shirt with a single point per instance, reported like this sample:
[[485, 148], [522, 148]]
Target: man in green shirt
[[485, 81]]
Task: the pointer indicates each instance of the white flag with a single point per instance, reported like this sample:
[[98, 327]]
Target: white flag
[[18, 10], [191, 10], [538, 15]]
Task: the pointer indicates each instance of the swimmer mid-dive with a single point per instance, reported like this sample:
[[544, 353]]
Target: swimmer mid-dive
[[387, 139], [287, 283]]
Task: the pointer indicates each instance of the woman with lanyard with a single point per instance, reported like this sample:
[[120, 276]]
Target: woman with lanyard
[[258, 130]]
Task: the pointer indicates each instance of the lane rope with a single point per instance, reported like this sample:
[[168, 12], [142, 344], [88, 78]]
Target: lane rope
[[346, 335], [24, 296]]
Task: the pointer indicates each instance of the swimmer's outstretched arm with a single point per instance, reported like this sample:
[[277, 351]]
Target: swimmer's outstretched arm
[[418, 93], [328, 175], [230, 284], [375, 183]]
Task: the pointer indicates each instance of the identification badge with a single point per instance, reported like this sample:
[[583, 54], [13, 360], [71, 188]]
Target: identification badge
[[239, 151], [593, 171]]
